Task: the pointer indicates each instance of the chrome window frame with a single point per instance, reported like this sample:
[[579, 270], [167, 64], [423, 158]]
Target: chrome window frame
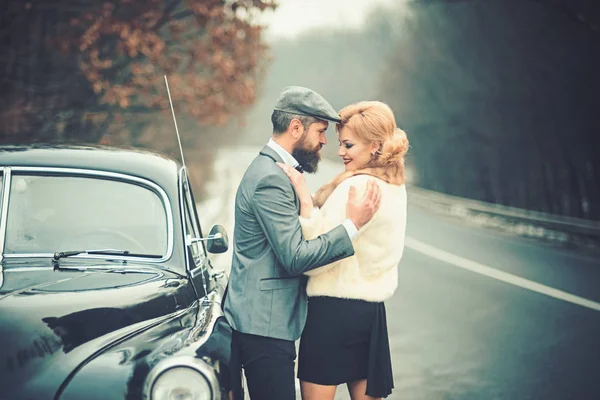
[[82, 172], [180, 176], [197, 270], [6, 182], [3, 208]]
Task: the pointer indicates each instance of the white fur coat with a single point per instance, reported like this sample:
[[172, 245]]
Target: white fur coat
[[371, 274]]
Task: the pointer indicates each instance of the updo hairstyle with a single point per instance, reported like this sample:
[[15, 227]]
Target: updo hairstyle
[[374, 122]]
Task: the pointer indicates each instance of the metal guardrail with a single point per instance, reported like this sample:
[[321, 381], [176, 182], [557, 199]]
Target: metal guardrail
[[461, 206], [219, 208]]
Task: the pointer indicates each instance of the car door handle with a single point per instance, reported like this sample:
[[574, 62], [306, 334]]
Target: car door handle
[[218, 274]]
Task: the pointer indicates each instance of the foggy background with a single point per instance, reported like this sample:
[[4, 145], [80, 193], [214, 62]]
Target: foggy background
[[498, 97]]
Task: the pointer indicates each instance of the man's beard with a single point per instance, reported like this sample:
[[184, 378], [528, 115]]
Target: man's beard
[[308, 159]]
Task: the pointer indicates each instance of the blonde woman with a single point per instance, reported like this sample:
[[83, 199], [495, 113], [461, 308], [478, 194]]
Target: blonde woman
[[345, 339]]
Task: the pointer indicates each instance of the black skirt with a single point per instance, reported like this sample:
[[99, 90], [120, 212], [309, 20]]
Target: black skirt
[[346, 340]]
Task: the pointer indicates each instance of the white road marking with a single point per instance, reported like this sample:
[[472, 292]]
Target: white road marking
[[481, 269]]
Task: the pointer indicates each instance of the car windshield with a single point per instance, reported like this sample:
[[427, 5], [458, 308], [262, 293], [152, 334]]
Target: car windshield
[[48, 214]]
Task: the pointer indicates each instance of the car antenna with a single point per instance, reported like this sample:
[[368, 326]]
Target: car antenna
[[183, 162], [175, 122]]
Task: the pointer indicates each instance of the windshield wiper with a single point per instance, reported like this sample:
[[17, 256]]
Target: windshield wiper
[[63, 254]]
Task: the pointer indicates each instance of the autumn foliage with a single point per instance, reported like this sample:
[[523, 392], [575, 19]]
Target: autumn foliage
[[92, 71]]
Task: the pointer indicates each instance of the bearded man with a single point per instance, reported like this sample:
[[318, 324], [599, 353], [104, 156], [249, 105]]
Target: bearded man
[[266, 302]]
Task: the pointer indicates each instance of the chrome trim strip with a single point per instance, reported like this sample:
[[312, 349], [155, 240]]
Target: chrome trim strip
[[196, 364], [6, 180], [115, 176], [182, 173]]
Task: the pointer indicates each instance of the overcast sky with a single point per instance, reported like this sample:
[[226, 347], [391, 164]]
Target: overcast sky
[[296, 16]]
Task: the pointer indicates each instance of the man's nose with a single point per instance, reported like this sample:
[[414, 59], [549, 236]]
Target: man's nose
[[323, 139]]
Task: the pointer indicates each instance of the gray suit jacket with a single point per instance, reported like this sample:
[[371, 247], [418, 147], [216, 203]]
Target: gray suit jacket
[[266, 295]]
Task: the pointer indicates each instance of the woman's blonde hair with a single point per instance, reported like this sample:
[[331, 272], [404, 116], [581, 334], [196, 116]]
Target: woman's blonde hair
[[372, 122]]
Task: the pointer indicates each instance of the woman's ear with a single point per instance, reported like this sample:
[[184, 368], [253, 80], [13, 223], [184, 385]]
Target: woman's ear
[[375, 146]]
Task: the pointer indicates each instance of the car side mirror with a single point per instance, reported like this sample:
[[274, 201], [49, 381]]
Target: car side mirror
[[218, 240]]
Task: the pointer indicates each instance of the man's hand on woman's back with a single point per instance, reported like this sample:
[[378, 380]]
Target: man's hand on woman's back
[[360, 212]]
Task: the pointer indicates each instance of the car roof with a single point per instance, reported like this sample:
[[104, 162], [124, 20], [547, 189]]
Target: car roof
[[141, 163]]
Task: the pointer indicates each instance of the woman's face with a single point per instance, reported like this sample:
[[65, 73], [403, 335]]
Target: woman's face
[[354, 152]]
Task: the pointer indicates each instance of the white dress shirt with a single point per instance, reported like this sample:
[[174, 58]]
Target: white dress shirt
[[288, 159]]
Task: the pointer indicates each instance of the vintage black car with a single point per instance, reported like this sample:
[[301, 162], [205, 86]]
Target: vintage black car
[[106, 288]]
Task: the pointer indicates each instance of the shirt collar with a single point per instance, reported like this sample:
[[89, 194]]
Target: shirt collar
[[285, 156]]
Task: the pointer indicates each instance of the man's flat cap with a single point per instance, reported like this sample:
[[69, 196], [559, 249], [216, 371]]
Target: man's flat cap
[[303, 101]]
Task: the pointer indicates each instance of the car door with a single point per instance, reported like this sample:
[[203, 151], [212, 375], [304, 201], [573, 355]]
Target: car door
[[2, 224], [5, 176], [198, 264]]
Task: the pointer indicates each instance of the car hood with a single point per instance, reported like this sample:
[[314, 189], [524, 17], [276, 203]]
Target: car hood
[[53, 321]]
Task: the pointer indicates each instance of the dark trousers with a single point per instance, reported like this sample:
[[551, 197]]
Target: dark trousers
[[268, 365]]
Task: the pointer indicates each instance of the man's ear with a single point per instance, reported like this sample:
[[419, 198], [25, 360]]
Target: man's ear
[[296, 129]]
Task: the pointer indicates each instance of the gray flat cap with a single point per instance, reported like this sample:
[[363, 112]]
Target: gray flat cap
[[303, 101]]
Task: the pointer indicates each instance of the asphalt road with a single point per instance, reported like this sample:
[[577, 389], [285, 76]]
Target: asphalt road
[[463, 325], [457, 334]]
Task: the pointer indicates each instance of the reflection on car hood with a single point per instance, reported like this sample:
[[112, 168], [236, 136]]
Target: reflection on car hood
[[51, 321]]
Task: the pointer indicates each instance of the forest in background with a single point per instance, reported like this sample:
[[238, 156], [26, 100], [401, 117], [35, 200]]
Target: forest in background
[[82, 71], [499, 98]]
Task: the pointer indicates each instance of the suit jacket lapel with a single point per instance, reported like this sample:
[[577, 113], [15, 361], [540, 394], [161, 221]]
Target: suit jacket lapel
[[272, 154]]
